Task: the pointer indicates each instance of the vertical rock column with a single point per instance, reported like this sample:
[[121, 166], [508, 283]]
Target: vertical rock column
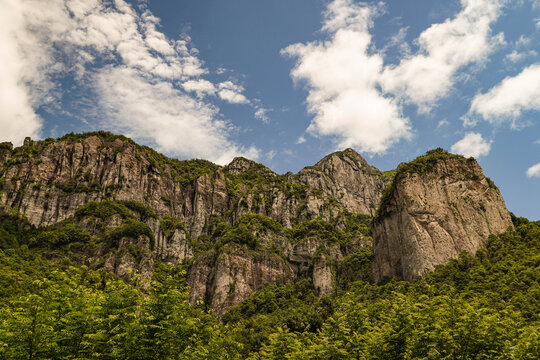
[[437, 206]]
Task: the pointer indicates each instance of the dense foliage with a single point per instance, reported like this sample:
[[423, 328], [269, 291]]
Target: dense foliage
[[477, 307], [481, 306]]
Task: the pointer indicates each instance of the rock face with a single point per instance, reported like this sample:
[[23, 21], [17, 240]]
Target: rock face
[[49, 181], [228, 276], [348, 177], [437, 206]]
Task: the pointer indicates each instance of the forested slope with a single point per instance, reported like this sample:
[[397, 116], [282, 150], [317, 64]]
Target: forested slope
[[482, 306]]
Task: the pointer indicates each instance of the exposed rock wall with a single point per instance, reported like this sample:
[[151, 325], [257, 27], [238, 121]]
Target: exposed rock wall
[[49, 180], [224, 278], [437, 206], [348, 177]]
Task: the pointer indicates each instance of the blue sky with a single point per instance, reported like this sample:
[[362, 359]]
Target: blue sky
[[284, 82]]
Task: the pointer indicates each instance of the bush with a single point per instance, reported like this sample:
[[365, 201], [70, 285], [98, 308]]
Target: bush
[[130, 228], [67, 234]]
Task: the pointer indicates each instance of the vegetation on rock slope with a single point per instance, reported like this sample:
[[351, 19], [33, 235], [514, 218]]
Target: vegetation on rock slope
[[482, 306], [57, 302]]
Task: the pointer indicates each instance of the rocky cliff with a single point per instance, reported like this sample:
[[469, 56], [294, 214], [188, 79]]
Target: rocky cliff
[[348, 177], [111, 203], [136, 206], [437, 206], [49, 180]]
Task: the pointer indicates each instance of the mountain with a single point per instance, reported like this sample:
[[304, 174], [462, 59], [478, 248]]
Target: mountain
[[240, 226], [109, 249], [437, 206]]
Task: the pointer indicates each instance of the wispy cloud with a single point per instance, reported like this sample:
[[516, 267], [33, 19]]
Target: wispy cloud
[[147, 85], [301, 139], [472, 144], [261, 113], [161, 114], [517, 56]]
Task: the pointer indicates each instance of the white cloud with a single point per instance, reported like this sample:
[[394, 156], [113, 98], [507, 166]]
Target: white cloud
[[201, 87], [523, 41], [444, 48], [507, 100], [517, 56], [356, 98], [534, 171], [135, 72], [232, 93], [261, 113], [301, 140], [162, 115], [17, 116], [443, 123], [398, 41], [270, 155], [341, 76], [473, 144]]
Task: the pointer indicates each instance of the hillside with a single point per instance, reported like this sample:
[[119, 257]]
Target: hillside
[[109, 249], [239, 226]]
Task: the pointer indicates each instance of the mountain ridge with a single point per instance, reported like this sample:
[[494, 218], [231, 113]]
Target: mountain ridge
[[126, 207]]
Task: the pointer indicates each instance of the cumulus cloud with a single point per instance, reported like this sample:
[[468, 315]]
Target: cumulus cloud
[[341, 77], [473, 144], [428, 75], [356, 98], [201, 87], [232, 93], [507, 100], [143, 81], [534, 171]]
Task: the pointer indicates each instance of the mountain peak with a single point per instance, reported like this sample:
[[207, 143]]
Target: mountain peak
[[346, 155], [241, 164], [436, 206]]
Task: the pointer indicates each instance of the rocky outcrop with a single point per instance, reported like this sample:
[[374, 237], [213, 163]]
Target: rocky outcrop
[[48, 181], [347, 177], [323, 276], [225, 277], [437, 206]]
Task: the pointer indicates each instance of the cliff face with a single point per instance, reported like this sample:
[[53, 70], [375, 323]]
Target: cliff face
[[51, 182], [229, 275], [48, 180], [348, 177], [110, 202], [437, 206]]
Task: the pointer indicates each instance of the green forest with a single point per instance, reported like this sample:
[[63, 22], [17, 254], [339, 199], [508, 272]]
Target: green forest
[[480, 306]]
